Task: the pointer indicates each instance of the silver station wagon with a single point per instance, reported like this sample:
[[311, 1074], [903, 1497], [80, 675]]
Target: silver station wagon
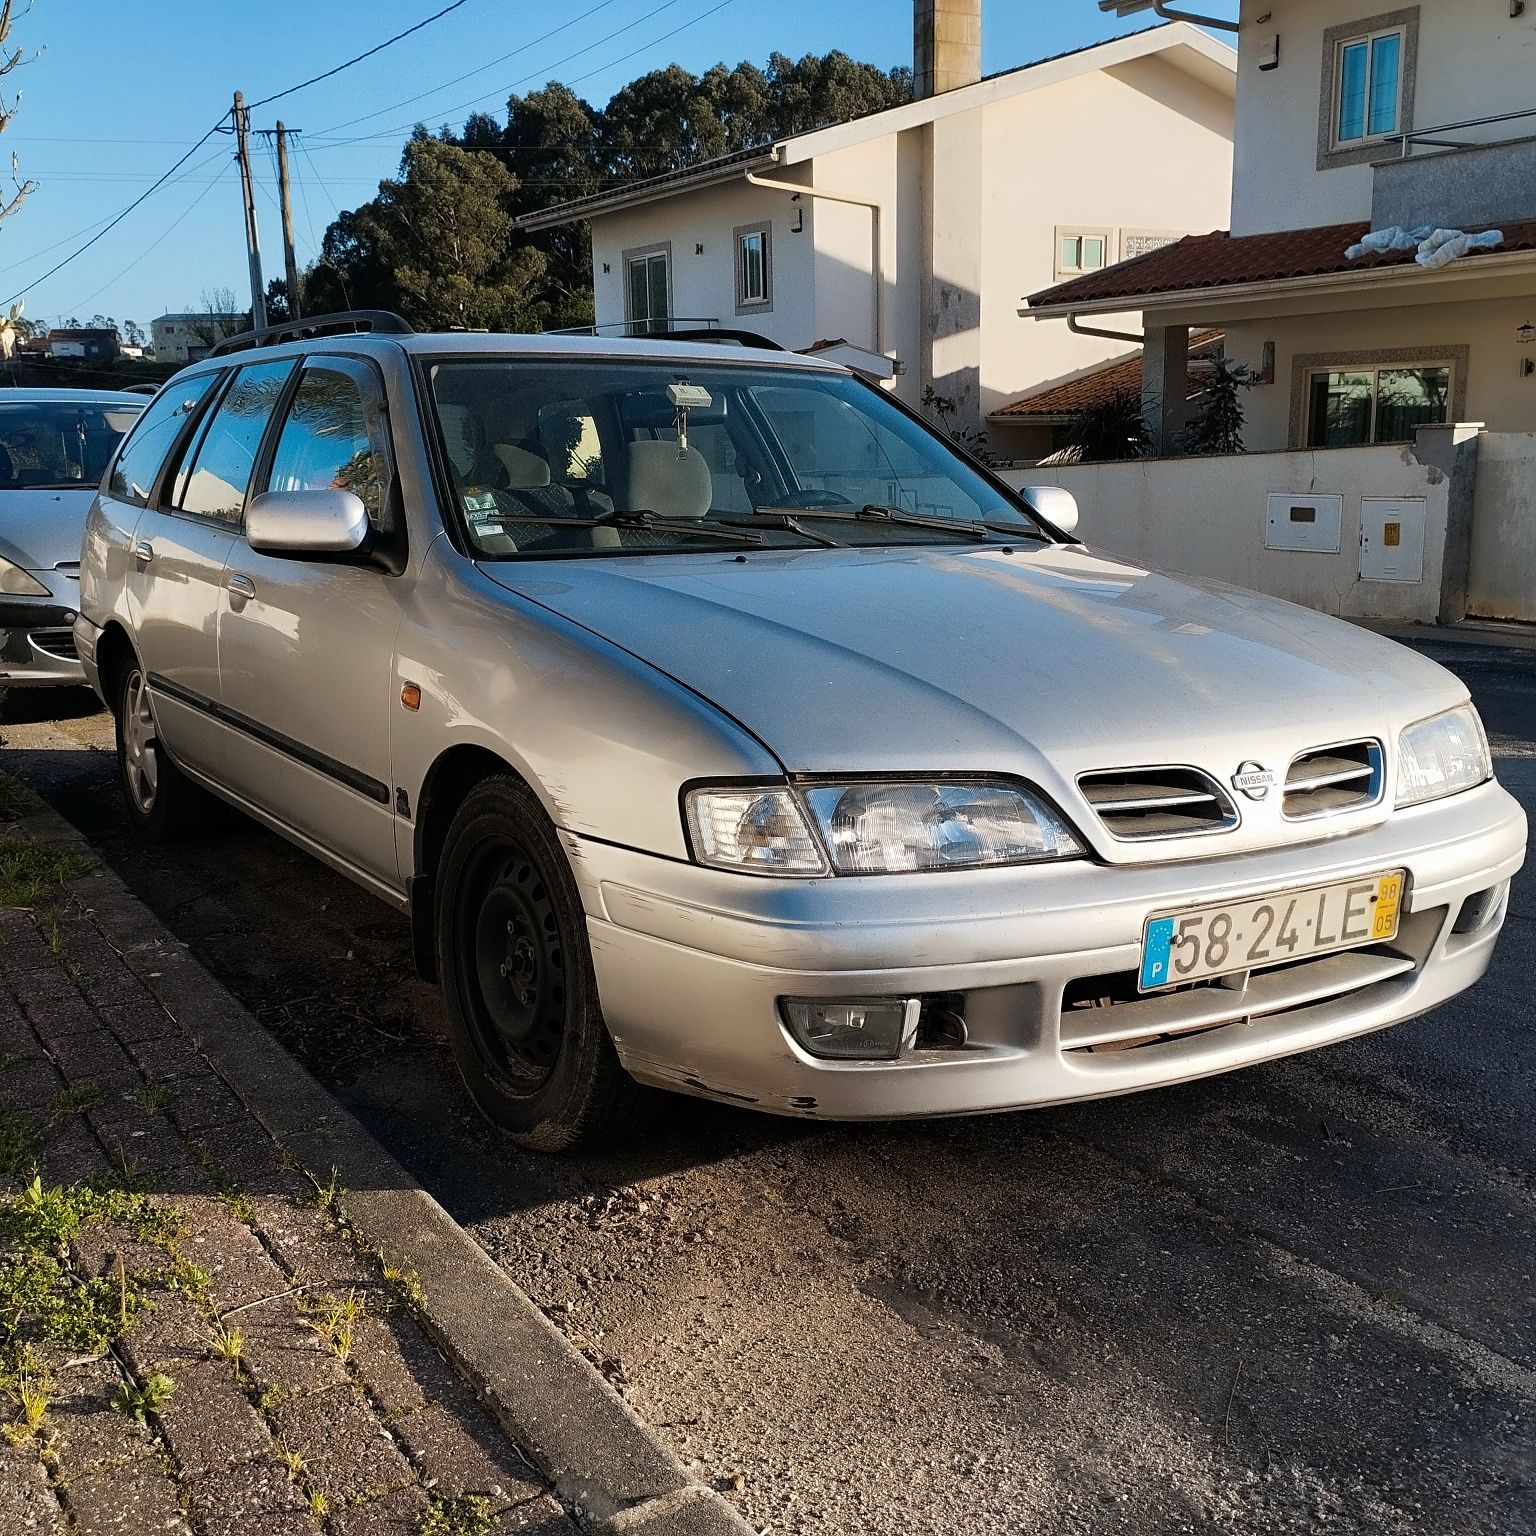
[[721, 728]]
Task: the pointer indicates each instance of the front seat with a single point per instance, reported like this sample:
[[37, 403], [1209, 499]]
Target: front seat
[[664, 481]]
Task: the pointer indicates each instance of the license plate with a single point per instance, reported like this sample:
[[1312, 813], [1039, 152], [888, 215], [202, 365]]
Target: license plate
[[1235, 936]]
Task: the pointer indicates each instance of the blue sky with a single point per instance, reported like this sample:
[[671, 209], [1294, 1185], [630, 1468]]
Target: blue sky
[[123, 88]]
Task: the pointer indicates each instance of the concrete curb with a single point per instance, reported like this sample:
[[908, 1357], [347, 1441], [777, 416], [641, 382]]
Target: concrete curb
[[608, 1467]]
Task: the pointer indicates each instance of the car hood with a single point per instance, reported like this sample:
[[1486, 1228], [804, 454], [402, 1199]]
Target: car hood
[[1046, 662], [41, 529]]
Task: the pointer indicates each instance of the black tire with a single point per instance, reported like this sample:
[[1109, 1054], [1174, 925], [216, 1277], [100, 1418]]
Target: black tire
[[516, 974], [163, 803]]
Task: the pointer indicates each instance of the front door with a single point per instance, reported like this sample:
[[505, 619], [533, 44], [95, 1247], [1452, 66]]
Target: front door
[[306, 647], [176, 566]]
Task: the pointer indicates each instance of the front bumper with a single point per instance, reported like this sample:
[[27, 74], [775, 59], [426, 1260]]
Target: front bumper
[[691, 963], [37, 643]]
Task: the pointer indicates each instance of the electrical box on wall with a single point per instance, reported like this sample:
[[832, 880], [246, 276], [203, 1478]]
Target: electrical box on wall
[[1304, 522], [1392, 538]]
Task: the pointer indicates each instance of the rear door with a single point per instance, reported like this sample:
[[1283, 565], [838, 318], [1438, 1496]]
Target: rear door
[[176, 564], [306, 647]]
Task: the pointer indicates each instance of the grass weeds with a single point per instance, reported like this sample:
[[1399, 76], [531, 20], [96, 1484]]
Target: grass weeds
[[31, 873]]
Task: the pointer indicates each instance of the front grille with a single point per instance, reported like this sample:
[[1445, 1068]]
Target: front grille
[[1333, 779], [1138, 803], [57, 642]]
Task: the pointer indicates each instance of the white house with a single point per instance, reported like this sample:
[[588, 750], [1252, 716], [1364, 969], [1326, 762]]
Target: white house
[[184, 337], [1352, 119], [909, 234], [1378, 277]]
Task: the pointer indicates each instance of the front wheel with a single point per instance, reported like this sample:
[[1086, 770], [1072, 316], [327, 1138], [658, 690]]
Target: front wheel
[[524, 1020], [163, 803]]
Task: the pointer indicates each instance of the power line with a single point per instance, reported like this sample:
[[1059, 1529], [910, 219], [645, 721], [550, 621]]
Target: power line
[[586, 48], [388, 42], [117, 219], [74, 309], [470, 74]]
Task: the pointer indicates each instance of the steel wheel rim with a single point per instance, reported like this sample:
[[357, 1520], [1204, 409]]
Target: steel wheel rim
[[141, 756], [511, 964]]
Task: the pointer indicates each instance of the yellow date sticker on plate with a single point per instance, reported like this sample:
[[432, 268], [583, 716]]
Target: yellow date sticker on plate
[[1389, 898]]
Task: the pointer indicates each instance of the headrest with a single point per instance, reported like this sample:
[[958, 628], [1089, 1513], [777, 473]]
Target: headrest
[[464, 437], [668, 483], [526, 471]]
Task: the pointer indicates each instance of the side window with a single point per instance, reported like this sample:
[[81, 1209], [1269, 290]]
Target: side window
[[326, 443], [568, 439], [133, 475], [216, 483]]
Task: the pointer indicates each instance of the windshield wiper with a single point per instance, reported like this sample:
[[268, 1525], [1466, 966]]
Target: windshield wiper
[[773, 517], [691, 527]]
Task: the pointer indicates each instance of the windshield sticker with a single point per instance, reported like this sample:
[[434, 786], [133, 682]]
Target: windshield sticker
[[477, 500]]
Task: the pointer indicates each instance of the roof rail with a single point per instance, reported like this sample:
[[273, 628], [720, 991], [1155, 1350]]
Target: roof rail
[[348, 322], [690, 329]]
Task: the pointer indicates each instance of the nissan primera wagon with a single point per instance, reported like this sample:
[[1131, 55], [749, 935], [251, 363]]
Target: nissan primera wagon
[[721, 728]]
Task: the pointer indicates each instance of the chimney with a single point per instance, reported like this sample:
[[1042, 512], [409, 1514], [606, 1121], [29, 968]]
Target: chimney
[[946, 45]]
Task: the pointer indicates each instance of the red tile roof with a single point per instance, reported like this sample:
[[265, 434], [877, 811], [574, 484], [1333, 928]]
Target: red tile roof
[[1221, 260], [1101, 385]]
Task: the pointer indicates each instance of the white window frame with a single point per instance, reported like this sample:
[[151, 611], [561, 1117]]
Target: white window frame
[[1332, 152], [748, 303], [1376, 369], [1081, 232], [1368, 41]]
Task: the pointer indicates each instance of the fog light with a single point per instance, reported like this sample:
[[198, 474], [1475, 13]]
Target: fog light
[[852, 1028], [1480, 910]]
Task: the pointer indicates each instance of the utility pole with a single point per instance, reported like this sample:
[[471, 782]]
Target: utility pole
[[290, 261], [252, 239]]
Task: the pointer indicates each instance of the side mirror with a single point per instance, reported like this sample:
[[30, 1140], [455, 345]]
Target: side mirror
[[308, 523], [1054, 503]]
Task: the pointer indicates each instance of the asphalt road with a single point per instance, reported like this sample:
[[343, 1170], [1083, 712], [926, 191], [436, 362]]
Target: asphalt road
[[1295, 1299]]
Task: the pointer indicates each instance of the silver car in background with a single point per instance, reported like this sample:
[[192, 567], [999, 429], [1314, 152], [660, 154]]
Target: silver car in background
[[722, 728], [54, 445]]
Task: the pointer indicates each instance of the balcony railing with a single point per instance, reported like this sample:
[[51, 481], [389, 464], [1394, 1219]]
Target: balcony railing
[[1429, 137]]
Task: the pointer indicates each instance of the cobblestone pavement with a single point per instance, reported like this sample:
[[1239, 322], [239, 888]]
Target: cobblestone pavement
[[190, 1341]]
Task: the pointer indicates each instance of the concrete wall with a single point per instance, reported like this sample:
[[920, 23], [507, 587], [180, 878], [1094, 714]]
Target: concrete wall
[[1208, 517], [1474, 60], [1494, 390], [1457, 188], [1502, 582]]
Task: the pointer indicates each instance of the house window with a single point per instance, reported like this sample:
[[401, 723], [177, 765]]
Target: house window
[[1368, 72], [754, 272], [648, 288], [1350, 406], [1081, 250], [1367, 86]]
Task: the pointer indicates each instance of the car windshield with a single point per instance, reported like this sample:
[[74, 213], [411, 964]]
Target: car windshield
[[60, 443], [555, 458]]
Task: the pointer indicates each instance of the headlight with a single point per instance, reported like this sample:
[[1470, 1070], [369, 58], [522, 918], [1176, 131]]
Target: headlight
[[886, 827], [894, 827], [15, 582], [1441, 756]]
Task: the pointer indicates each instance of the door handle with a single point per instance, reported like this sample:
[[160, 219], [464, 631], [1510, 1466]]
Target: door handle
[[241, 588], [143, 551]]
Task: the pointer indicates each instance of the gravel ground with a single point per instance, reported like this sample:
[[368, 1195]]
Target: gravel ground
[[1298, 1298]]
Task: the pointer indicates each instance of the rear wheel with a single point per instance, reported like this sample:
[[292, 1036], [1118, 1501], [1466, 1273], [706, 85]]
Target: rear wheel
[[516, 972], [163, 803]]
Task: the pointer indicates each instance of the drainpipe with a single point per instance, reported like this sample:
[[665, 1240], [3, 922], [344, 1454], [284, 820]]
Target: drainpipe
[[876, 266], [1163, 9]]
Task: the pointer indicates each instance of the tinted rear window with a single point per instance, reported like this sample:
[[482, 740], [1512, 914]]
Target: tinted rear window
[[60, 443]]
